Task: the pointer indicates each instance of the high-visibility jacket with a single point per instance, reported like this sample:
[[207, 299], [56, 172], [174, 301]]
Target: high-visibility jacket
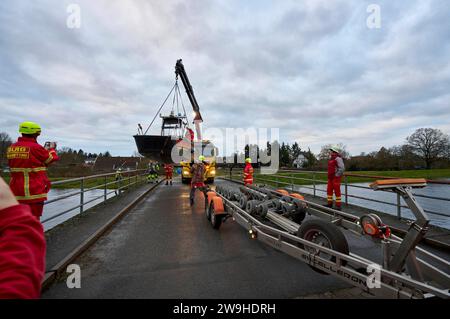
[[335, 166], [22, 253], [168, 168], [248, 174], [28, 163]]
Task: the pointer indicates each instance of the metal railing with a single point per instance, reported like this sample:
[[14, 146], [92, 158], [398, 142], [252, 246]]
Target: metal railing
[[289, 175], [116, 186]]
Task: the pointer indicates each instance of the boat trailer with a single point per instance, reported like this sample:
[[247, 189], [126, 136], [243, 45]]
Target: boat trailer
[[313, 234]]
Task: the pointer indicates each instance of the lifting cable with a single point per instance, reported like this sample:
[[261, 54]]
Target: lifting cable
[[175, 85]]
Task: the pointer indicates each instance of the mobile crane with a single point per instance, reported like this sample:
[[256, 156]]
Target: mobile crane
[[208, 150]]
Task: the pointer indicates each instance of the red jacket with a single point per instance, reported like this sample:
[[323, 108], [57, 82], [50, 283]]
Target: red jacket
[[168, 168], [22, 253], [335, 166], [28, 162], [248, 174]]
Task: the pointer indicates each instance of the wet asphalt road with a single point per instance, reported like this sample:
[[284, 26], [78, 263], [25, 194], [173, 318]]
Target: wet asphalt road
[[166, 249]]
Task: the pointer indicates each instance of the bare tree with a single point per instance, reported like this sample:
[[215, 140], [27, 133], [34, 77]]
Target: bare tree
[[430, 144], [325, 151], [5, 142]]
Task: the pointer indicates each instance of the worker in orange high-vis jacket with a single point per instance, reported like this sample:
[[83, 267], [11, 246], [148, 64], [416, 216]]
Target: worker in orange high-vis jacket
[[335, 171], [28, 163], [248, 172]]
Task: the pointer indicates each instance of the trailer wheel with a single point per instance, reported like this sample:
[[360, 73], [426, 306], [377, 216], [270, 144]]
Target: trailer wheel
[[300, 211], [262, 209], [208, 212], [243, 202], [216, 220], [325, 234], [251, 207], [286, 199]]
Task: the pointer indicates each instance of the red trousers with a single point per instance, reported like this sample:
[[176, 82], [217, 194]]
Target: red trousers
[[169, 175], [36, 209], [334, 185]]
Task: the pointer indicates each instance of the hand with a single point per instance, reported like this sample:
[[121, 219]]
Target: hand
[[7, 198]]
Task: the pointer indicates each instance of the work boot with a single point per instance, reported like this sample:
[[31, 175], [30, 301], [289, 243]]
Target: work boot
[[329, 205], [191, 201], [339, 208], [167, 183], [170, 182]]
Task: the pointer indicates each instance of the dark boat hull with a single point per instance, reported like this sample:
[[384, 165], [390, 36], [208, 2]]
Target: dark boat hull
[[157, 147]]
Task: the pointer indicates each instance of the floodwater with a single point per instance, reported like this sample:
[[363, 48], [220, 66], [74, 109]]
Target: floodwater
[[439, 206], [55, 208]]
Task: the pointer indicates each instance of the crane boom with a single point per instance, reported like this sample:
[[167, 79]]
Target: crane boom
[[181, 72]]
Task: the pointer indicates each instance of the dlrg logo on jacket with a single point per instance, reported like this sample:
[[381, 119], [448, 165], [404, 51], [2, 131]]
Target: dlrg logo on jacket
[[18, 152]]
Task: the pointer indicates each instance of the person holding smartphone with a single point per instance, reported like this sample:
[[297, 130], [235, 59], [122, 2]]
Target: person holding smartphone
[[28, 162]]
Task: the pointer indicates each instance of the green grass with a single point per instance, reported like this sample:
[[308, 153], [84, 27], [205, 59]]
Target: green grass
[[305, 178], [90, 183]]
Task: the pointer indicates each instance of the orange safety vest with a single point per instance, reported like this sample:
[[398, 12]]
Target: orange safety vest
[[28, 163], [248, 174]]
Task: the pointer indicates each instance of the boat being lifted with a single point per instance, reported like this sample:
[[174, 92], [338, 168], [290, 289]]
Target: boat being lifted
[[176, 143]]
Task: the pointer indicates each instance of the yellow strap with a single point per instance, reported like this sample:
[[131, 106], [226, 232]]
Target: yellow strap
[[31, 196], [28, 170]]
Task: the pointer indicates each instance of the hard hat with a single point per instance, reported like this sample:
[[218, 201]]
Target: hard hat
[[201, 158], [334, 149], [248, 160], [29, 128]]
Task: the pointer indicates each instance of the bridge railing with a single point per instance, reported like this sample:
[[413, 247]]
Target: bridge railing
[[117, 185], [290, 179]]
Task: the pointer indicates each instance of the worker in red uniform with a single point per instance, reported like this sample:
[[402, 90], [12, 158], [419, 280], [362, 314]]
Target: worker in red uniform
[[28, 163], [248, 172], [168, 168], [22, 249], [335, 171], [198, 171]]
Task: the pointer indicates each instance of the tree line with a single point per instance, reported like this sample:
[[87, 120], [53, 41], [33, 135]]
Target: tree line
[[425, 148]]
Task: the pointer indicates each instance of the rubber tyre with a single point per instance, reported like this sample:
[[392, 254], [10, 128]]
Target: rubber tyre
[[336, 238], [286, 199], [216, 220], [243, 202], [251, 207], [210, 180], [300, 212], [208, 211]]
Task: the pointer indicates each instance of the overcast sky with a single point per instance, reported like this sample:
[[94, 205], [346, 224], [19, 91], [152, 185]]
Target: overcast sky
[[311, 68]]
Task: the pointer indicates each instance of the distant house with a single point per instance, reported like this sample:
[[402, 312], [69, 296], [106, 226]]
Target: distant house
[[90, 161], [299, 161], [108, 164]]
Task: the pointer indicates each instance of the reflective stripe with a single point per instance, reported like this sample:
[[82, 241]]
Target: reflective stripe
[[26, 181], [28, 170], [49, 159], [32, 197]]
